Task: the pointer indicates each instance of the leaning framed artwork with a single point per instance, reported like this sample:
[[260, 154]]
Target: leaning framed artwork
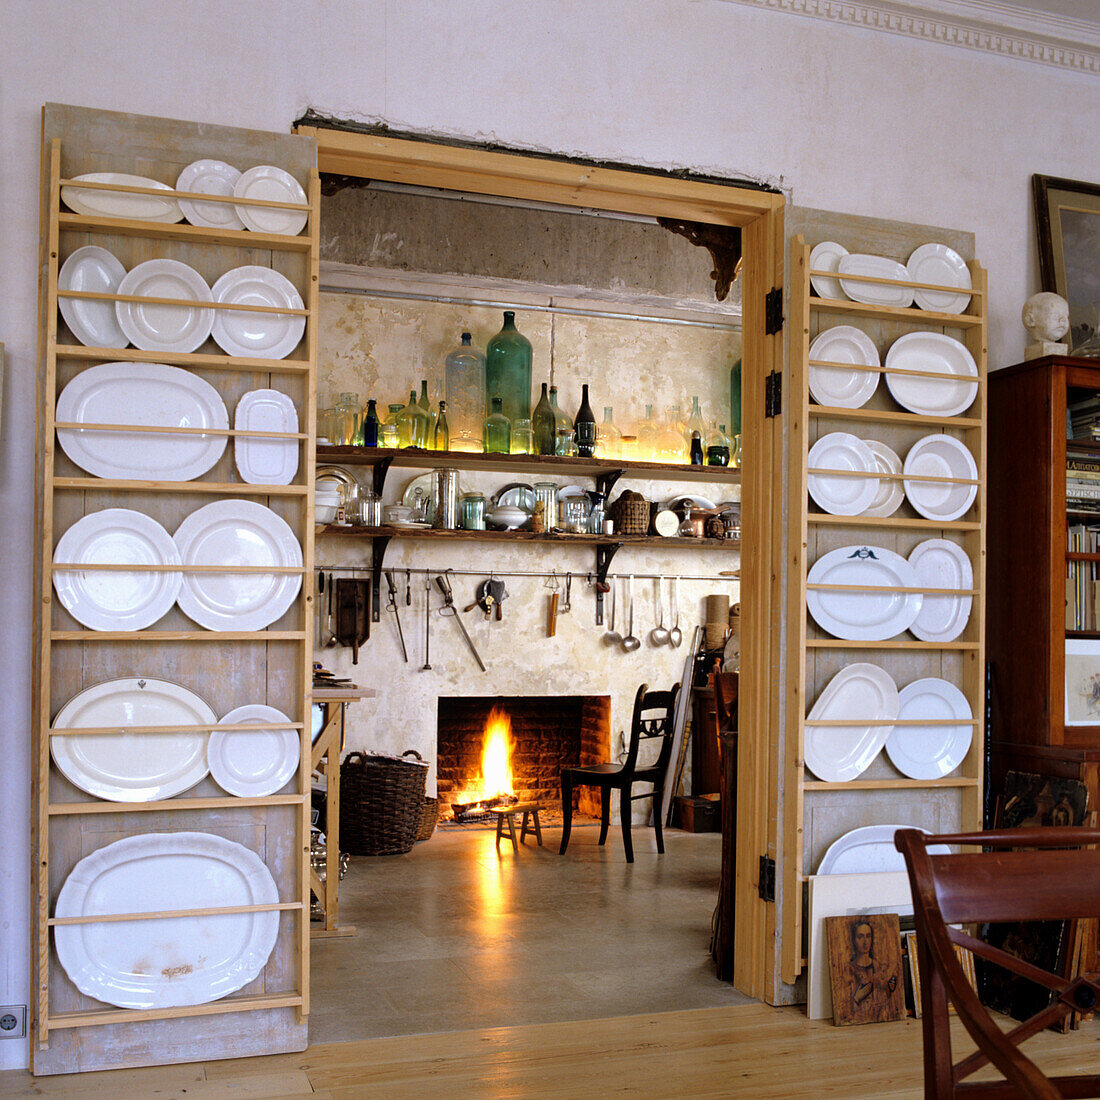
[[865, 968], [1082, 682], [1067, 223]]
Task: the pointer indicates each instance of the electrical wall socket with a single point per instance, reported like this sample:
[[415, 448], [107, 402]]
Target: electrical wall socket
[[13, 1021]]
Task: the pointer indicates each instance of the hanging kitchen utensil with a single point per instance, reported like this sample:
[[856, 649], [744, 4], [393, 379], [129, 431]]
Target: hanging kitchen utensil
[[392, 606], [566, 604], [427, 665], [676, 635], [552, 616], [330, 623], [484, 599], [352, 614], [659, 635], [448, 610], [630, 643], [499, 593], [612, 637]]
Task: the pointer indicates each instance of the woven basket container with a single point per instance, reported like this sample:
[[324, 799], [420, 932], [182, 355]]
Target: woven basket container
[[631, 516], [428, 818], [381, 803]]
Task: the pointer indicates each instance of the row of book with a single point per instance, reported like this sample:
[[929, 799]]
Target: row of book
[[1082, 579], [1083, 481], [1083, 418]]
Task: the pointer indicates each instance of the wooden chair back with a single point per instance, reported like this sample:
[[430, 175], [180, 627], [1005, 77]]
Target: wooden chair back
[[653, 717], [1046, 874]]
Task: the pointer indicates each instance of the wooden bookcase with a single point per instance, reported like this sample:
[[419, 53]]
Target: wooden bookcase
[[880, 795], [226, 668]]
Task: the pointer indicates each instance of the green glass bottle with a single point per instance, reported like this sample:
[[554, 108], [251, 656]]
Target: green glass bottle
[[387, 431], [423, 401], [406, 423], [442, 438], [718, 447], [584, 426], [498, 429], [544, 425], [561, 417], [508, 369], [735, 399]]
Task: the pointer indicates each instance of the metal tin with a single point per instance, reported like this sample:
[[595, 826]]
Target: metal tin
[[446, 499]]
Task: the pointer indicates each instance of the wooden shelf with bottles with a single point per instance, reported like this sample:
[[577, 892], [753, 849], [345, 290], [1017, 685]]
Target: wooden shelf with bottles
[[814, 657]]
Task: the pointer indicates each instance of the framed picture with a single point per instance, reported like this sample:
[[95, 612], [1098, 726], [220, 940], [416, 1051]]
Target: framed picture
[[865, 971], [1067, 222], [1082, 682], [966, 960]]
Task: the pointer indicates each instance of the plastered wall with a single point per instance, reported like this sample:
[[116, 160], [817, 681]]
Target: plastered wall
[[842, 118]]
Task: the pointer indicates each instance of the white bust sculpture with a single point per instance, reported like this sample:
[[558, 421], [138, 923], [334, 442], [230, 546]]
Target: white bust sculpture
[[1046, 318]]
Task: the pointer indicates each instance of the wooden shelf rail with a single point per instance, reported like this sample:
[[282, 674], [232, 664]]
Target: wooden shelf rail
[[195, 360]]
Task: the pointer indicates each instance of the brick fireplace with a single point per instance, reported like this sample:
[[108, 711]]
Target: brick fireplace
[[548, 732]]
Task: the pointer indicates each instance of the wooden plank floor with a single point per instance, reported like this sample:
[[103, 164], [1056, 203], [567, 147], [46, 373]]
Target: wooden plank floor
[[746, 1051]]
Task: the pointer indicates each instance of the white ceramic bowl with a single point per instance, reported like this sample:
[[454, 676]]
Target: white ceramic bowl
[[507, 516], [397, 513], [324, 513], [940, 456]]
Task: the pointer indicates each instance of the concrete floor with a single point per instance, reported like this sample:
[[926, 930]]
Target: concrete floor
[[453, 936]]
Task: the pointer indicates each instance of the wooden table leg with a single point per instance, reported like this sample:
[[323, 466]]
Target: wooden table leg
[[512, 831], [500, 829]]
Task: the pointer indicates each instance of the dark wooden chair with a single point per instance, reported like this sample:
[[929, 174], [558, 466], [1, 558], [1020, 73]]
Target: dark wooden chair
[[653, 712], [725, 700], [1046, 875]]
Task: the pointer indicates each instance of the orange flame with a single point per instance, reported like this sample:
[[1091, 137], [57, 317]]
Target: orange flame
[[496, 761]]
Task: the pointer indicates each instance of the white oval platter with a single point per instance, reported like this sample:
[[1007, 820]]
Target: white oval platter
[[121, 204], [237, 532], [867, 850], [266, 461], [270, 184], [252, 765], [864, 693], [930, 752], [93, 323], [116, 600], [133, 767], [837, 494], [940, 456], [835, 386], [940, 563], [867, 614], [936, 263], [257, 335], [209, 177], [157, 327], [941, 354], [890, 493], [169, 961], [875, 294], [146, 395]]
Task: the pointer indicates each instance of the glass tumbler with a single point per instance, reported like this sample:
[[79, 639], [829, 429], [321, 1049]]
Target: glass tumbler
[[523, 438]]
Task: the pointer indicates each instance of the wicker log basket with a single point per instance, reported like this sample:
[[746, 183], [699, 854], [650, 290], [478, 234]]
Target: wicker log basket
[[381, 803], [429, 818]]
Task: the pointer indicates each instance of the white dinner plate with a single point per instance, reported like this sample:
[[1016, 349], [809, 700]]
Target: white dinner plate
[[864, 693], [890, 493], [939, 456], [942, 564], [866, 614], [826, 257], [930, 752], [121, 204], [875, 294], [253, 764], [835, 386], [869, 849], [936, 263], [942, 354], [266, 461], [147, 395], [168, 961], [840, 495], [209, 177], [93, 323], [151, 327], [107, 600], [260, 335], [133, 767], [237, 532], [270, 184]]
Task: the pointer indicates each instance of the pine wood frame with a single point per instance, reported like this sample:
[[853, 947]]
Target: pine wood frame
[[759, 215]]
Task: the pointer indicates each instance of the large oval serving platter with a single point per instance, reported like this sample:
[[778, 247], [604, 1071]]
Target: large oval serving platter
[[930, 752], [237, 532], [169, 961], [251, 764], [148, 395], [121, 204], [93, 322], [867, 695], [263, 461], [937, 353], [133, 767], [875, 294], [866, 614], [867, 850], [940, 563]]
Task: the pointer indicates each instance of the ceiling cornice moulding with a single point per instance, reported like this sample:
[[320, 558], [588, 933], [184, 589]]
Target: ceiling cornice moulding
[[1002, 29]]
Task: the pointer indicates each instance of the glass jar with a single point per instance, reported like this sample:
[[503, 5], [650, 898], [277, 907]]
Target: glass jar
[[523, 438], [497, 433], [508, 369], [547, 492], [575, 515], [346, 418], [597, 513], [565, 448], [718, 447], [387, 430], [473, 512], [464, 368]]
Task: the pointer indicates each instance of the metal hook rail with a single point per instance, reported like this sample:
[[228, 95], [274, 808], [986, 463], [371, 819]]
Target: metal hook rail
[[536, 574]]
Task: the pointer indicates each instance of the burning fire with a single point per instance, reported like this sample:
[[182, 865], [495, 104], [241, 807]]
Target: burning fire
[[496, 762]]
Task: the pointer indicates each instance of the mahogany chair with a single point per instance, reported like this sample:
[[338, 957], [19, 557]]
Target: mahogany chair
[[653, 715], [1047, 875]]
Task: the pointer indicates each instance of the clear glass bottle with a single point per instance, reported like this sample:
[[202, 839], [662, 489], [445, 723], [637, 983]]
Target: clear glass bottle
[[648, 435], [544, 425], [584, 426], [671, 446], [464, 370], [369, 431], [695, 421], [523, 437], [387, 430], [609, 440], [424, 401], [508, 369], [347, 415], [497, 432], [565, 447], [718, 447], [442, 435], [675, 417]]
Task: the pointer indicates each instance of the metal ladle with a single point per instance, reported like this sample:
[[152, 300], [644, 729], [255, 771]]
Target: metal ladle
[[659, 635], [612, 637], [630, 643], [676, 635]]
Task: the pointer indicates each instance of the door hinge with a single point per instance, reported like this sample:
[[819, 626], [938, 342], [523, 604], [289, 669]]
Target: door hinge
[[766, 887], [773, 394], [773, 311]]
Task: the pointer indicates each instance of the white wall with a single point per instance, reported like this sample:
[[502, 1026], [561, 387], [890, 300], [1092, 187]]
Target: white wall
[[845, 119]]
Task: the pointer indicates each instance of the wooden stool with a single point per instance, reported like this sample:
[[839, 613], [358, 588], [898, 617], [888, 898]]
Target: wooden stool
[[530, 810]]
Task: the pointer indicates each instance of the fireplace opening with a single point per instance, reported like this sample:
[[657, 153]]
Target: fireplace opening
[[498, 750]]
